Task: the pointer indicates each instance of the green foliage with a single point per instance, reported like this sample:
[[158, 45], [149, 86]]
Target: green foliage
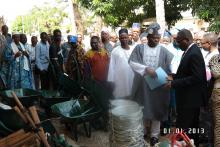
[[215, 26], [173, 9], [116, 12], [40, 19], [208, 10]]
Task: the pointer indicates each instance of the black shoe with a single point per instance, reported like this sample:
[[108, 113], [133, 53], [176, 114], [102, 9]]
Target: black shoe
[[153, 141]]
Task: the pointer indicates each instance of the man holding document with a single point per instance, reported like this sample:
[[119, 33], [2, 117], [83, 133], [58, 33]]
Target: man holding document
[[190, 85], [151, 64]]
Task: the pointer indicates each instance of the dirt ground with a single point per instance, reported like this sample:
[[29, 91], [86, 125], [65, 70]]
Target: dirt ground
[[99, 138]]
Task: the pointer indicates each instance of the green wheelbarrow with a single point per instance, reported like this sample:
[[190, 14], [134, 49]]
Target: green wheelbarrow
[[75, 112], [28, 97], [50, 97], [11, 122]]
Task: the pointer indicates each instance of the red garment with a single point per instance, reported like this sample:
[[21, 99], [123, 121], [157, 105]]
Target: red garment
[[98, 62]]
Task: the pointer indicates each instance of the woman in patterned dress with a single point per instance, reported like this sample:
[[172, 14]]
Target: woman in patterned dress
[[214, 64]]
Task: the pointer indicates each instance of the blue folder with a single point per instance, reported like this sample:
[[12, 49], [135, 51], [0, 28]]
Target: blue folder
[[159, 81]]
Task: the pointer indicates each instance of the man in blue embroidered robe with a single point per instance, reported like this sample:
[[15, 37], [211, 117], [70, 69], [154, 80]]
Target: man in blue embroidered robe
[[19, 74]]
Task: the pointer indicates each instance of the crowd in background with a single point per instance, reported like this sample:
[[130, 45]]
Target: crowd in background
[[123, 59]]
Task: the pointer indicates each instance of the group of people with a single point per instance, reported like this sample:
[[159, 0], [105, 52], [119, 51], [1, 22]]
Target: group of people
[[192, 82], [38, 65], [192, 70]]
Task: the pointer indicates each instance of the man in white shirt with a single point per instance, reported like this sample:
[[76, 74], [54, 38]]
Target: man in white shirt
[[42, 60]]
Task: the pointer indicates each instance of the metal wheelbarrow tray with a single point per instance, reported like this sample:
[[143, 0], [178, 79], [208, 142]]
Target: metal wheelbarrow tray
[[75, 112], [70, 87], [28, 97], [50, 98]]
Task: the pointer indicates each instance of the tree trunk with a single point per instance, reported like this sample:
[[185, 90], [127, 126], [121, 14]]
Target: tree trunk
[[72, 16], [160, 14], [78, 18]]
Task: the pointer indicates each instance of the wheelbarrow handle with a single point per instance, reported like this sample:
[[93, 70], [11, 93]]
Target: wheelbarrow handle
[[17, 101], [23, 110], [30, 120], [20, 114], [37, 122]]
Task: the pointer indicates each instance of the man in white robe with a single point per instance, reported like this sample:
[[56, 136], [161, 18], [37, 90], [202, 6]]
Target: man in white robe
[[120, 72]]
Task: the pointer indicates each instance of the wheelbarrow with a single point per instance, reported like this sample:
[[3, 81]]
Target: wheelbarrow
[[8, 126], [75, 112], [50, 97], [28, 97], [71, 88]]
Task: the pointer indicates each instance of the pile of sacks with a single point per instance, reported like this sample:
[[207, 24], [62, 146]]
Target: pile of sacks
[[126, 121]]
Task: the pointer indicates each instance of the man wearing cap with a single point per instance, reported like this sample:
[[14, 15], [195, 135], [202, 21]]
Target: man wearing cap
[[66, 46], [20, 75], [136, 30], [74, 64], [144, 60], [105, 40], [120, 72]]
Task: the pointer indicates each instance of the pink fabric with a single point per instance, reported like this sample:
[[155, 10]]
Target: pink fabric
[[208, 74]]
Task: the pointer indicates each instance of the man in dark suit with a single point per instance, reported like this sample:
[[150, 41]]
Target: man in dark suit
[[190, 85]]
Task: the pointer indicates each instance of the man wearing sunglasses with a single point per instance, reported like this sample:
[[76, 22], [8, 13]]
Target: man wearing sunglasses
[[190, 85]]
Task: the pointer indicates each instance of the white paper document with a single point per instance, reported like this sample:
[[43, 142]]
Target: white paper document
[[159, 81]]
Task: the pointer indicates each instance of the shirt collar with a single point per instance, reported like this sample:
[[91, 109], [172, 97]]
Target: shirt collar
[[189, 47]]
